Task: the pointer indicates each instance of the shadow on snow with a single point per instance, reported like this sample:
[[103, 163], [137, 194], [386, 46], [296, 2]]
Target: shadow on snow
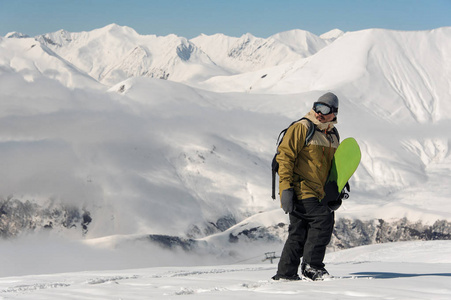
[[391, 275]]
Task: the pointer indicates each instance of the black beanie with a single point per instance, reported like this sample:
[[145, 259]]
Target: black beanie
[[329, 99]]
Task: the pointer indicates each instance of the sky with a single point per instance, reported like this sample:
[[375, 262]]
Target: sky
[[190, 18]]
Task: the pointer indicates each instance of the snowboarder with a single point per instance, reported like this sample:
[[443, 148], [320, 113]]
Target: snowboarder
[[303, 170]]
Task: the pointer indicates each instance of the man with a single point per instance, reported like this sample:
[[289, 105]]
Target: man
[[303, 170]]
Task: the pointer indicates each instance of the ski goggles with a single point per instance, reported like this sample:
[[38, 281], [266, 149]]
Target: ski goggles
[[323, 108]]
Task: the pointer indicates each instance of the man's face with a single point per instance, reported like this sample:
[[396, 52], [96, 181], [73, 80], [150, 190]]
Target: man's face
[[324, 118]]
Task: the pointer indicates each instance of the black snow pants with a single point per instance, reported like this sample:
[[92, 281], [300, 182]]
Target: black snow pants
[[309, 233]]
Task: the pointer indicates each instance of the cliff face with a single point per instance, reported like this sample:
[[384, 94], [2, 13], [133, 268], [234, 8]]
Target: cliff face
[[18, 217], [353, 233], [348, 234]]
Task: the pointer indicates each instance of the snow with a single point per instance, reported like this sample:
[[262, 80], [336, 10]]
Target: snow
[[409, 270], [332, 34], [86, 123]]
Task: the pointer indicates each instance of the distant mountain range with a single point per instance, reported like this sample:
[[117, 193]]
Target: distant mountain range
[[115, 53], [408, 65]]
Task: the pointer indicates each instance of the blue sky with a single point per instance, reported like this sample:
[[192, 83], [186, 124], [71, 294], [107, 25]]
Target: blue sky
[[189, 18]]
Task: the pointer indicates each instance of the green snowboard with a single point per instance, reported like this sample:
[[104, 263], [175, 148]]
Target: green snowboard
[[345, 162]]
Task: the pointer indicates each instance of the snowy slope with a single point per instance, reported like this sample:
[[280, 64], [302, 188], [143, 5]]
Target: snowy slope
[[413, 270], [400, 76], [411, 68], [32, 60], [159, 149]]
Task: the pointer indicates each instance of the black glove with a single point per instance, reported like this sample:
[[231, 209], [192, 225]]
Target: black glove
[[287, 200], [334, 205]]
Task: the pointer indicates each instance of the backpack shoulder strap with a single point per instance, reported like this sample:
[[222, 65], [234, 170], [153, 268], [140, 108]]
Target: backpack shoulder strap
[[282, 133], [310, 132], [335, 131]]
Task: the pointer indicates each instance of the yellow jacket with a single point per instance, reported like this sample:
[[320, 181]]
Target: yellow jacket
[[305, 167]]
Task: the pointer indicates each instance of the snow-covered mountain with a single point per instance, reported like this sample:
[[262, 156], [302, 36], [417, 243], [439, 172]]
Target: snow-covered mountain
[[249, 53], [115, 53], [33, 60], [96, 144]]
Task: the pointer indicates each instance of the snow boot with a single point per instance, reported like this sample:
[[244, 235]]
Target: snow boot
[[314, 273], [282, 277]]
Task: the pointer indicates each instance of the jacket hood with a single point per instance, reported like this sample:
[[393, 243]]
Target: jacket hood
[[321, 126]]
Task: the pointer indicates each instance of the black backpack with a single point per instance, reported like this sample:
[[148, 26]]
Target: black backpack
[[275, 165]]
